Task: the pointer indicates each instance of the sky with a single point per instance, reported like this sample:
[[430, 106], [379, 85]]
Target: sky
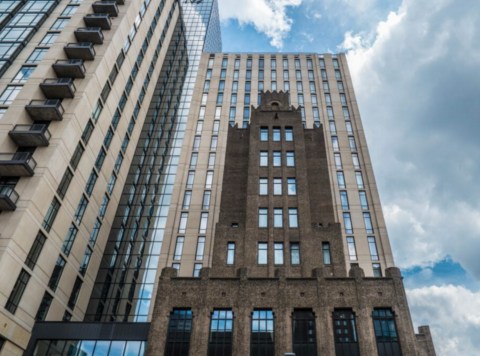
[[415, 66]]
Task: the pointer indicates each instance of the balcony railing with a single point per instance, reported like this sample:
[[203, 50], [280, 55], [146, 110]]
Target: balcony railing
[[45, 110], [98, 20], [89, 34], [8, 198], [30, 135], [80, 50], [58, 88], [69, 68], [18, 164], [106, 7]]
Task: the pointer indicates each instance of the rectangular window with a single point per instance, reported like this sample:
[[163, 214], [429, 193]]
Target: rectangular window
[[262, 253], [51, 214], [276, 134], [92, 179], [290, 156], [263, 133], [179, 248], [9, 94], [196, 143], [263, 186], [277, 186], [187, 198], [209, 180], [57, 273], [348, 126], [277, 217], [193, 160], [344, 200], [338, 161], [363, 199], [82, 206], [262, 338], [359, 179], [213, 143], [292, 186], [190, 179], [206, 199], [263, 158], [69, 239], [286, 86], [274, 86], [345, 332], [231, 253], [377, 270], [277, 158], [356, 162], [388, 343], [17, 291], [196, 269], [294, 253], [340, 179], [336, 146], [262, 217], [200, 248], [221, 333], [373, 248], [85, 260], [203, 223], [292, 217], [77, 155], [288, 134], [182, 226], [352, 144], [35, 250], [44, 307], [23, 74], [304, 333], [49, 38], [75, 292], [368, 223], [352, 251], [278, 253], [347, 223], [327, 259]]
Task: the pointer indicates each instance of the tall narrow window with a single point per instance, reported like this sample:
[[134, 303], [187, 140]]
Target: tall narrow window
[[262, 253], [288, 134], [182, 225], [344, 199], [190, 179], [196, 269], [294, 253], [209, 180], [203, 223], [57, 273], [193, 160], [263, 158], [35, 250], [335, 144], [292, 186], [262, 217], [352, 144], [17, 291], [304, 333], [368, 223], [359, 180], [85, 260], [276, 134], [179, 248], [44, 306], [277, 217], [347, 221], [221, 333], [340, 179], [231, 253], [262, 338], [179, 330], [363, 200], [278, 253], [187, 198], [200, 248], [356, 161], [377, 270], [373, 248], [327, 258], [277, 158], [352, 251], [206, 199], [277, 186], [345, 332], [211, 160], [82, 206], [264, 134], [338, 161], [385, 328], [75, 292], [292, 217], [51, 214], [263, 186]]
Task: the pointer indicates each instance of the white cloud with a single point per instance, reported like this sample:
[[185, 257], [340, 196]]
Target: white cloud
[[267, 16], [417, 83], [453, 313]]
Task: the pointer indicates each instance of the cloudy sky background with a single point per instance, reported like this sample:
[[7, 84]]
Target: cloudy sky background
[[416, 71]]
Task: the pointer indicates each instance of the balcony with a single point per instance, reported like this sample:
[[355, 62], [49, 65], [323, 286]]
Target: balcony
[[45, 110], [98, 20], [8, 198], [69, 68], [36, 135], [89, 34], [120, 2], [19, 164], [81, 50], [60, 88], [105, 7]]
